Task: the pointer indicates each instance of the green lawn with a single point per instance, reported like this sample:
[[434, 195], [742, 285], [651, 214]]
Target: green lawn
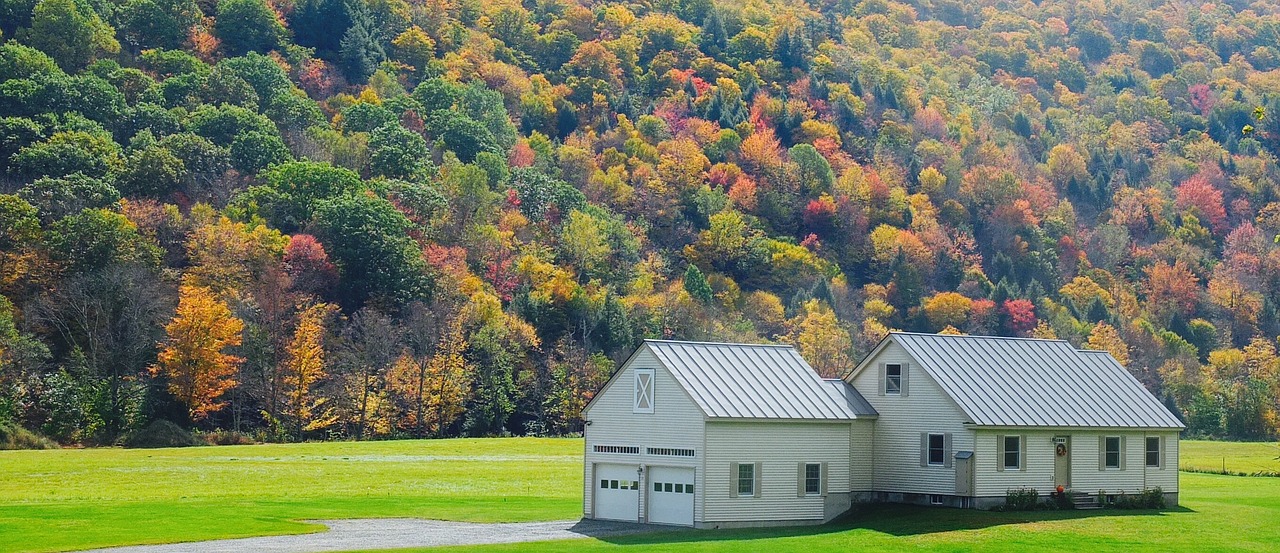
[[73, 499]]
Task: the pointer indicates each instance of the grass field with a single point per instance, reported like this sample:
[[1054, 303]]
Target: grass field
[[74, 499], [1234, 457]]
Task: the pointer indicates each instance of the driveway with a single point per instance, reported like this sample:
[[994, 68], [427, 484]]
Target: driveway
[[391, 533]]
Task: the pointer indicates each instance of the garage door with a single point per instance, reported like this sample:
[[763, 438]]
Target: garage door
[[617, 492], [671, 495]]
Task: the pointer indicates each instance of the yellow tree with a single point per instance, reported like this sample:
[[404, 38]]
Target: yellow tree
[[434, 389], [822, 341], [1106, 338], [304, 367], [192, 358], [947, 309]]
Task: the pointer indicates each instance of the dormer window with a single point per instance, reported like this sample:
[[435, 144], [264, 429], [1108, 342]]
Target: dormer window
[[643, 391]]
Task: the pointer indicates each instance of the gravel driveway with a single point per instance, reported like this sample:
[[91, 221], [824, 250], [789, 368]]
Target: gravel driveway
[[390, 533]]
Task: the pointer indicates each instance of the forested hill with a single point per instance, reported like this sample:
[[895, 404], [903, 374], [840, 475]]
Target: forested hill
[[373, 218]]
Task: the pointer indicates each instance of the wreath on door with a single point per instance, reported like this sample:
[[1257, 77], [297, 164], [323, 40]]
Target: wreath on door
[[1061, 450]]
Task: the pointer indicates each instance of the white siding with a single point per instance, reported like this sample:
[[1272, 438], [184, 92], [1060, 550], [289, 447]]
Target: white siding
[[1085, 476], [779, 447], [862, 463], [902, 419], [675, 423]]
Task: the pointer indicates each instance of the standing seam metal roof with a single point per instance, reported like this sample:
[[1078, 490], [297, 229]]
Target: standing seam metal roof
[[757, 381], [1028, 382]]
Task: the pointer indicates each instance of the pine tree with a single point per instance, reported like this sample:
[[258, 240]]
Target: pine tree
[[695, 283], [361, 47]]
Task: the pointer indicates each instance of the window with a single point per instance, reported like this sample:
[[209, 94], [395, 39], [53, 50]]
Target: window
[[893, 379], [935, 499], [1112, 452], [812, 478], [1012, 452], [1153, 451], [643, 391], [746, 479], [938, 450]]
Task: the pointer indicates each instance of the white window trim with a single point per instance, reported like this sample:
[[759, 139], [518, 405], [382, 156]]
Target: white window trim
[[1106, 465], [901, 377], [636, 391], [808, 493], [1146, 451], [737, 481], [929, 449], [1005, 461]]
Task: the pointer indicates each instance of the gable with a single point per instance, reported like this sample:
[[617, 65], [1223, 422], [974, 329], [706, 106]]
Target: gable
[[664, 392]]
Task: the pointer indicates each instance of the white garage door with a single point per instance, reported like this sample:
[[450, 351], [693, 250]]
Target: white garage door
[[617, 492], [671, 495]]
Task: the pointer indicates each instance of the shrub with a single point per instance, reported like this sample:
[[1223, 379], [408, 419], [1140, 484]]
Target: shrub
[[13, 436], [1146, 499], [226, 437], [161, 433], [1021, 499]]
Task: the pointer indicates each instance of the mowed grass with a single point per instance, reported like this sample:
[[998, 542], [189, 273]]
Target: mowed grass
[[1234, 457], [1217, 513], [76, 499]]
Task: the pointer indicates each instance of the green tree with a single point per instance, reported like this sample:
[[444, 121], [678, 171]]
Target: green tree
[[95, 238], [158, 23], [56, 198], [695, 283], [366, 238], [397, 152], [254, 151], [70, 32], [152, 171], [18, 61], [361, 47], [247, 26]]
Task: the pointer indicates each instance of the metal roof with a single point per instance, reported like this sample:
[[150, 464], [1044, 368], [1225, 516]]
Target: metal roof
[[756, 381], [1028, 382]]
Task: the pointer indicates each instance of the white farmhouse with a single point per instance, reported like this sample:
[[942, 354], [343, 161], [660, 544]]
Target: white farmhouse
[[722, 435]]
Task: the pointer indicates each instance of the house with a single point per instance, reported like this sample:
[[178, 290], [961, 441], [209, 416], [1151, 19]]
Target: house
[[727, 435]]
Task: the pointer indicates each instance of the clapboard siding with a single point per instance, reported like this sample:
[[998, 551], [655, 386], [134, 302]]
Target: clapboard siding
[[675, 423], [1085, 475], [778, 447], [862, 462], [902, 420]]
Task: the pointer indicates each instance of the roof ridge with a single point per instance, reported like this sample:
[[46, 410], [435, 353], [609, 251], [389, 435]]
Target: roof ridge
[[726, 344], [976, 336]]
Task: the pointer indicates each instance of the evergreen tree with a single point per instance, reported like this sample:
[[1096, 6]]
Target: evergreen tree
[[361, 47], [695, 283]]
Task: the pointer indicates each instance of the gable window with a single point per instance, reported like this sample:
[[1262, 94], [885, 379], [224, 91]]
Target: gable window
[[893, 379], [746, 479], [1012, 452], [937, 450], [1111, 452], [643, 391], [812, 478], [1153, 451]]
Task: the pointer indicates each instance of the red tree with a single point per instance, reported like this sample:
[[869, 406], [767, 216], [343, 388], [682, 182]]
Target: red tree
[[1199, 196], [1020, 316]]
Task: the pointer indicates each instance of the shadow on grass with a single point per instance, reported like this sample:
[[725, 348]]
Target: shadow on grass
[[893, 520]]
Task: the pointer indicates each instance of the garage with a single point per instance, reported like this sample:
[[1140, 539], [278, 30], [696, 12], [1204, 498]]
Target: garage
[[617, 492], [671, 495]]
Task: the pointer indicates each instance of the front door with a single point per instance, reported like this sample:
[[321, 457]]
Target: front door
[[1062, 461]]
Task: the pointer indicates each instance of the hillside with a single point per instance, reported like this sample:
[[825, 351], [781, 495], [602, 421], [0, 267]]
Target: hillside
[[381, 218]]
